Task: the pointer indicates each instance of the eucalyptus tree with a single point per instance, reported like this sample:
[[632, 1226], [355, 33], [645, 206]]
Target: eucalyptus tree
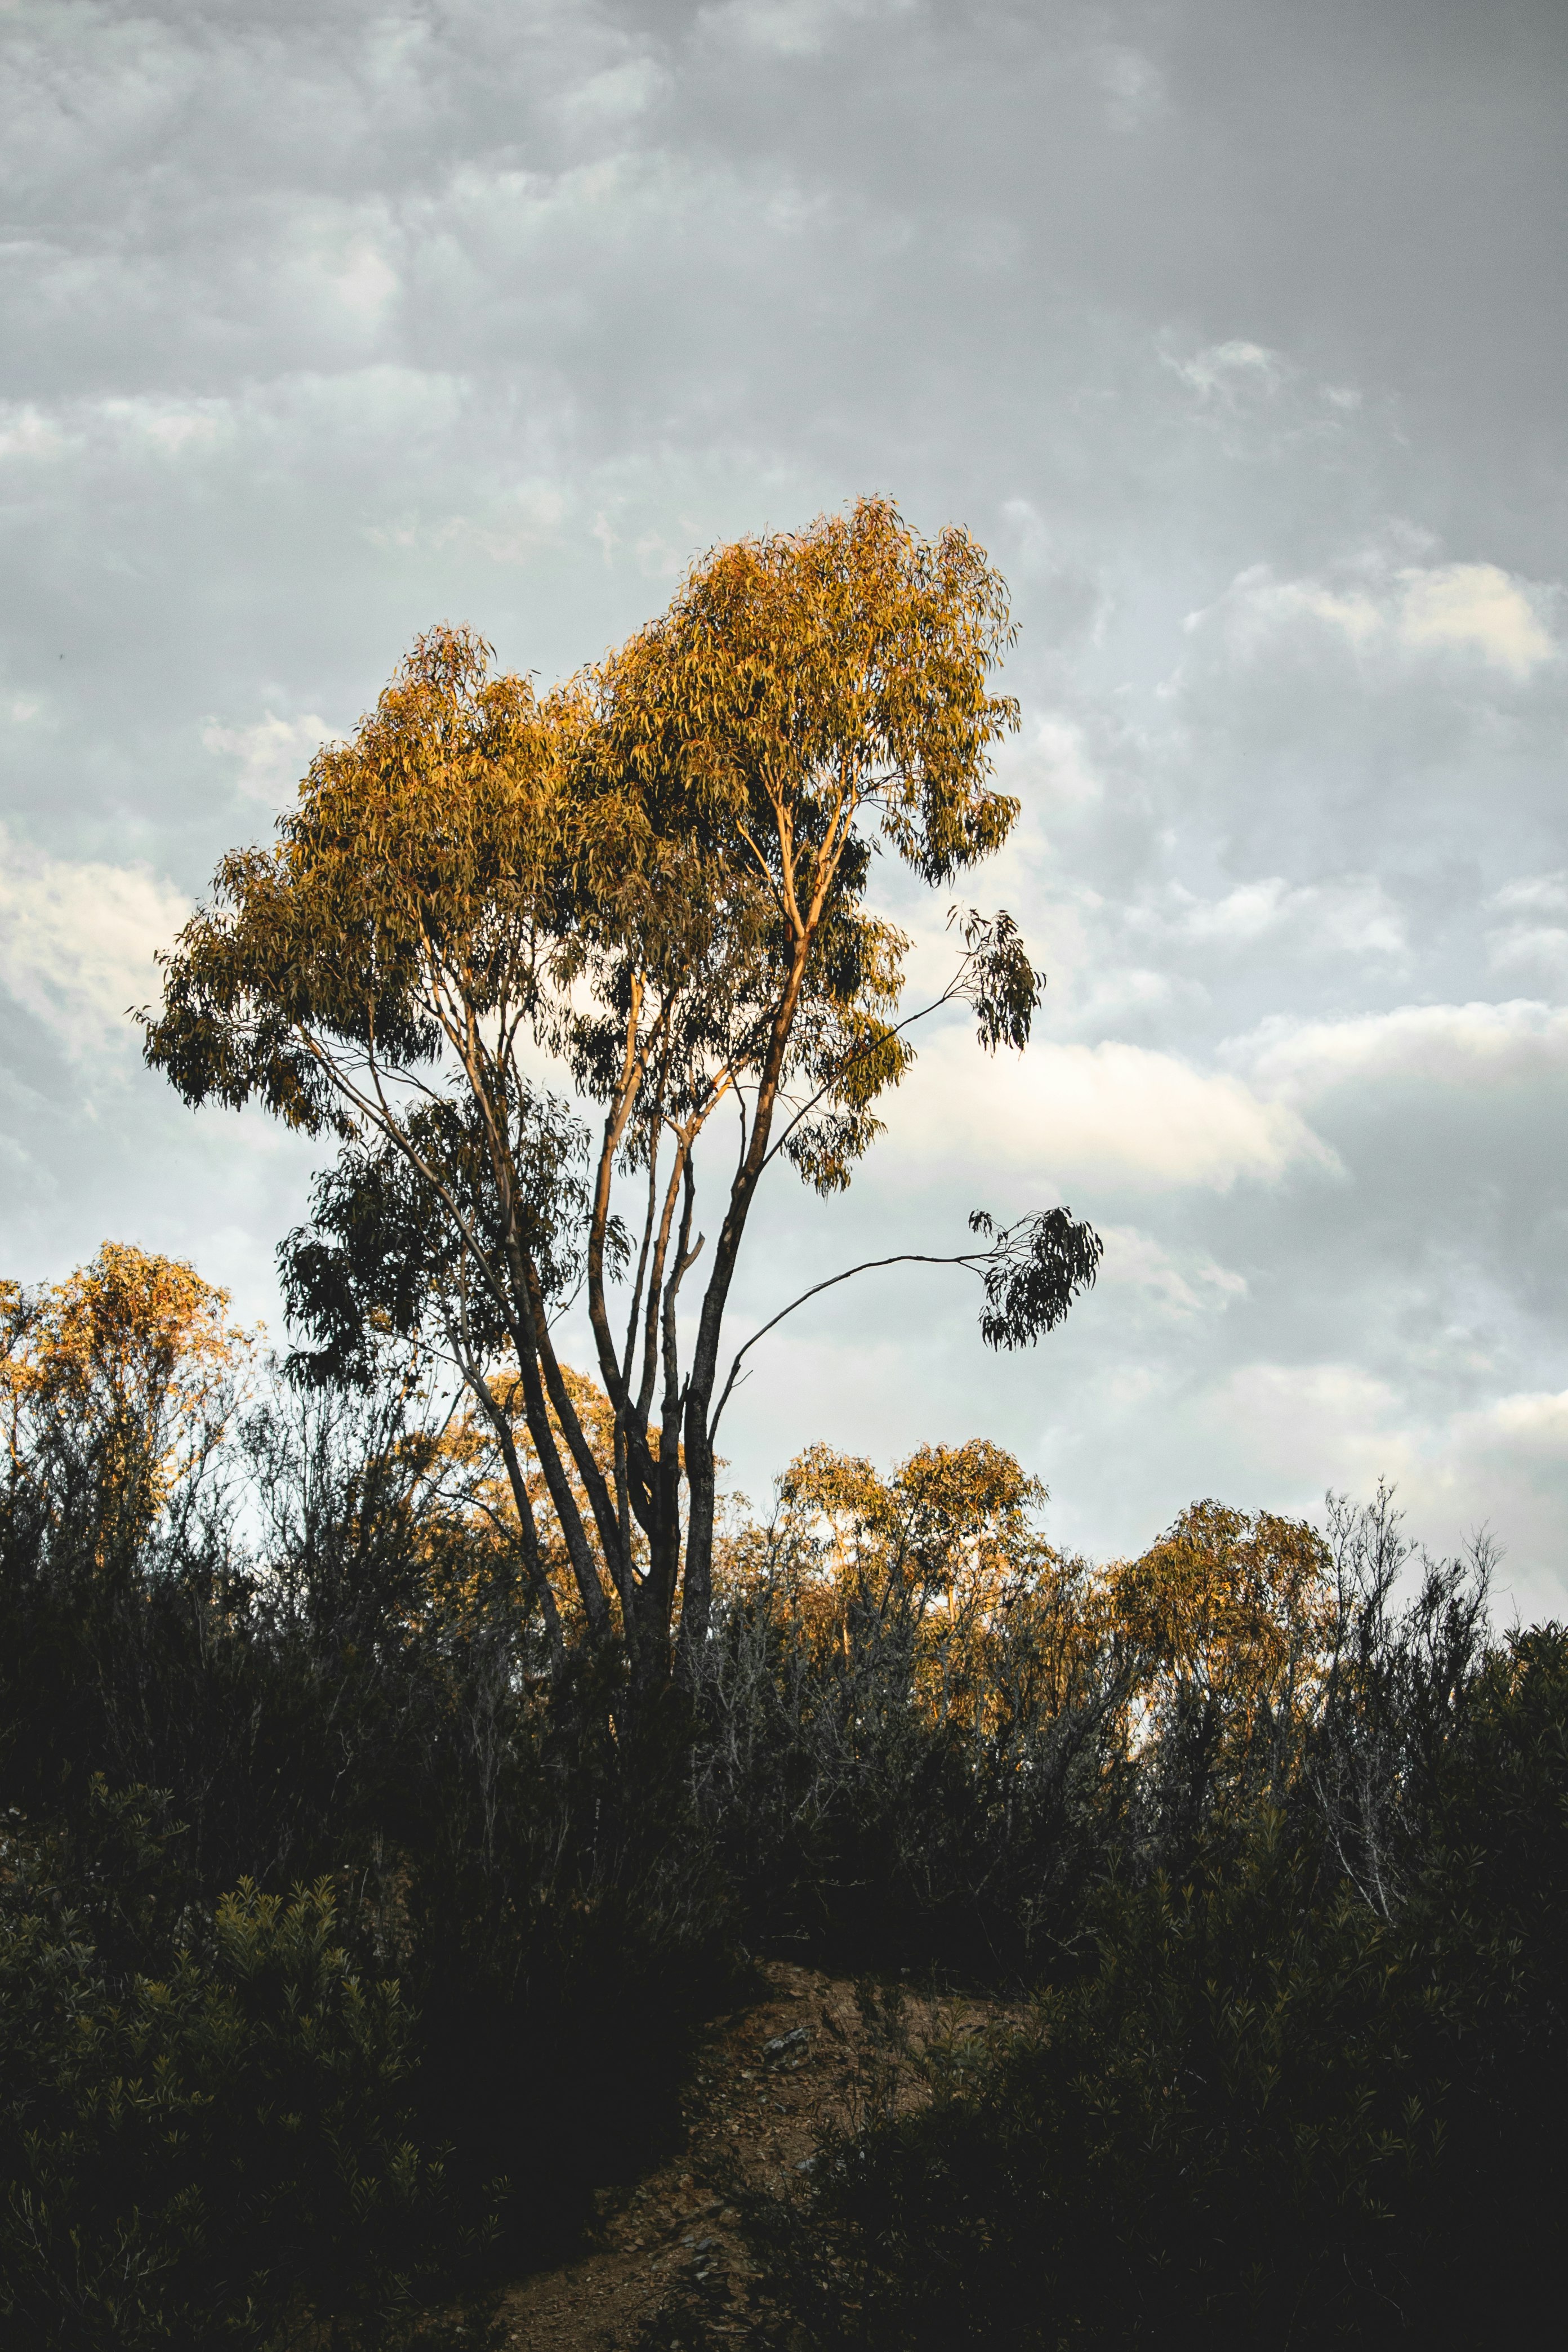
[[653, 879]]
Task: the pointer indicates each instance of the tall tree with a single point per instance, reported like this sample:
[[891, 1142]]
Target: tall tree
[[656, 876]]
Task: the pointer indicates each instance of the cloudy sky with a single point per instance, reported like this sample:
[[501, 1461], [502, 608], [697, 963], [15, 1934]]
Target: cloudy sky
[[1235, 330]]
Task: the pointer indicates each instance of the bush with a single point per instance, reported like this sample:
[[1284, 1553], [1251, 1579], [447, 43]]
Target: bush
[[197, 2153], [564, 1935], [858, 1820], [359, 1697], [1270, 2115], [1290, 1864]]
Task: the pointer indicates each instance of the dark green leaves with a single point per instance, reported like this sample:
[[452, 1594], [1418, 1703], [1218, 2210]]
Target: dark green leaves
[[998, 979], [1033, 1273], [402, 1236]]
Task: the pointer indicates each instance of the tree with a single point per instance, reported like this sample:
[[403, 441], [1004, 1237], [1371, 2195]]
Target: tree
[[947, 1546], [129, 1371], [658, 875], [1233, 1616]]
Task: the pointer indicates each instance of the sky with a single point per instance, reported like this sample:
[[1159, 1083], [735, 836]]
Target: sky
[[1233, 329]]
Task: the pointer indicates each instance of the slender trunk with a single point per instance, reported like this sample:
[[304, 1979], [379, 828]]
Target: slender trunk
[[532, 1557], [536, 1406]]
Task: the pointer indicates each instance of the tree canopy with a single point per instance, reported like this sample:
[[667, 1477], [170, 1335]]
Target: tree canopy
[[653, 881], [129, 1368]]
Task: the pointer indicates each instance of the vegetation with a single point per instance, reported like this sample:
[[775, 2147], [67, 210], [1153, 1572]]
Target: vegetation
[[346, 1943], [656, 876], [1270, 2109], [403, 1749], [206, 2125]]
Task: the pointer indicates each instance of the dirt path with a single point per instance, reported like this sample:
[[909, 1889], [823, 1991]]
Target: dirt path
[[766, 2078]]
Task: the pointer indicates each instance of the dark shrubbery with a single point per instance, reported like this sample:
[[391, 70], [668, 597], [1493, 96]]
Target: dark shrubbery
[[349, 1935], [866, 1820], [1275, 2112], [205, 2120], [345, 1711]]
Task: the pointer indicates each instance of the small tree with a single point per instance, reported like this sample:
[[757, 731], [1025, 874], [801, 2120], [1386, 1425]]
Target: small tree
[[1233, 1616], [658, 875], [127, 1373]]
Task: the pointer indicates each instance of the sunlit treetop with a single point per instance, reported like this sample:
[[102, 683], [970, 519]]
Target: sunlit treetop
[[133, 1356]]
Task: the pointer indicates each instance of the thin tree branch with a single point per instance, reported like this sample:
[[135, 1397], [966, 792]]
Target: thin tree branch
[[972, 1259]]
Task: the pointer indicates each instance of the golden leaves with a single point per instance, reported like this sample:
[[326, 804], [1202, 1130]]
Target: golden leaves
[[796, 678], [136, 1353], [1231, 1611], [655, 873], [688, 819], [946, 1548]]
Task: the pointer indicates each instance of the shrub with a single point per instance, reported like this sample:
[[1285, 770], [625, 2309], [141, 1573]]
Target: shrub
[[856, 1816], [1270, 2115], [197, 2155]]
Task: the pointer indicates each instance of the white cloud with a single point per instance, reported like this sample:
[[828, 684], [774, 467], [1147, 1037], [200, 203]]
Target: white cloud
[[1114, 995], [1111, 1114], [794, 28], [168, 422], [1223, 370], [1533, 1421], [1503, 1467], [361, 278], [532, 517], [1061, 747], [26, 432], [1134, 87], [1340, 1417], [1533, 894], [1179, 1285], [1379, 607], [1539, 947], [618, 94], [1527, 940], [1478, 608], [172, 426], [1353, 916], [273, 753], [77, 941], [1452, 1045]]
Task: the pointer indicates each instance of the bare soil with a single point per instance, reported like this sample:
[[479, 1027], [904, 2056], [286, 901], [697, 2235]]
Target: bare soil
[[766, 2079]]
